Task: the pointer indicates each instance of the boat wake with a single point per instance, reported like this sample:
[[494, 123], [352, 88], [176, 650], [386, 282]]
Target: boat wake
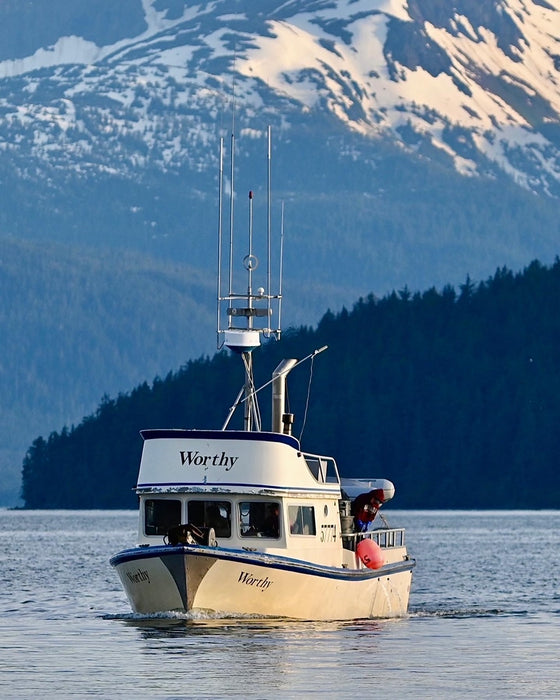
[[458, 613], [190, 616]]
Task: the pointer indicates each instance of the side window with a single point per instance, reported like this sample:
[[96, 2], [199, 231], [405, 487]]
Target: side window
[[216, 514], [259, 519], [160, 515], [302, 520]]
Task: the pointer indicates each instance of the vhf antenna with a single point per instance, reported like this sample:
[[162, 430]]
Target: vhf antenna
[[249, 312]]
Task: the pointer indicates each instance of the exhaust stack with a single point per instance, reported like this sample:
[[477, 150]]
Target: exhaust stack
[[279, 423]]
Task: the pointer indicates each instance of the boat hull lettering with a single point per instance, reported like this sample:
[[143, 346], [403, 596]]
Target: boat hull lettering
[[196, 459]]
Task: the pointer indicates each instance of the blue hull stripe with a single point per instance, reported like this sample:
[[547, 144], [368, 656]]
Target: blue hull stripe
[[334, 488], [270, 561]]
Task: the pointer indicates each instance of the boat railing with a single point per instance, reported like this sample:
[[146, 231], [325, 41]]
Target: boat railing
[[386, 538]]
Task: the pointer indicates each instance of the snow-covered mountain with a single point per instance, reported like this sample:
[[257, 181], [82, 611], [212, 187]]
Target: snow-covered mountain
[[479, 81], [94, 93], [382, 110], [414, 142]]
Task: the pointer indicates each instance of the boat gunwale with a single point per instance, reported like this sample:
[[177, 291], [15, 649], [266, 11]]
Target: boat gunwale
[[262, 559]]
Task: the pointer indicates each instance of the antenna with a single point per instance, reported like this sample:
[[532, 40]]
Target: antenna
[[220, 234], [249, 311], [280, 273], [231, 212], [268, 212]]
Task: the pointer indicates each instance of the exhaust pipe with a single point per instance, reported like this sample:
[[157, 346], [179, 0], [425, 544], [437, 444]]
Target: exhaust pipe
[[279, 422]]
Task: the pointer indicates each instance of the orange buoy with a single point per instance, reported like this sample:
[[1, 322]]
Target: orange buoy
[[370, 553]]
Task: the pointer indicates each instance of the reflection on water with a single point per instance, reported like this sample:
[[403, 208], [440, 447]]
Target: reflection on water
[[244, 657], [185, 625]]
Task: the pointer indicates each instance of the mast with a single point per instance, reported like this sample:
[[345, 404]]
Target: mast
[[245, 314]]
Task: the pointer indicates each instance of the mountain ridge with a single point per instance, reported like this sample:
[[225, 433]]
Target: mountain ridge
[[79, 325], [364, 64]]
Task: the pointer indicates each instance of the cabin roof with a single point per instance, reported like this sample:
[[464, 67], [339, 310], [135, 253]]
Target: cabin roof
[[243, 435]]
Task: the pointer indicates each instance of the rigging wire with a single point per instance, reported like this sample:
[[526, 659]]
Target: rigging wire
[[254, 408], [308, 395], [242, 396]]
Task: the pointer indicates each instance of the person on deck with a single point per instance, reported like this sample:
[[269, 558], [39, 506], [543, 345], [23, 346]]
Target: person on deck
[[364, 509]]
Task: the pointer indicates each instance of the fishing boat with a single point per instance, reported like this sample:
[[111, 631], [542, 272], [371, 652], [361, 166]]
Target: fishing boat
[[243, 521]]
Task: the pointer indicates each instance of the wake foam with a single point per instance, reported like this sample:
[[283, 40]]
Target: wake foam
[[455, 613], [191, 616]]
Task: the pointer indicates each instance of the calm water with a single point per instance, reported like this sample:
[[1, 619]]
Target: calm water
[[484, 620]]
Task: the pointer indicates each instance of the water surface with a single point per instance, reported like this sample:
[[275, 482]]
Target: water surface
[[484, 620]]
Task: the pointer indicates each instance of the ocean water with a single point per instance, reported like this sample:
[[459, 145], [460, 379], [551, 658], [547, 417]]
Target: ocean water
[[484, 620]]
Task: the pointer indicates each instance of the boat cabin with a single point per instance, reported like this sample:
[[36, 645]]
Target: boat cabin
[[248, 491], [240, 490]]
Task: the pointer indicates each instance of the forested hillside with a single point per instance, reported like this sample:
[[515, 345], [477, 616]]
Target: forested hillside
[[76, 324], [452, 394]]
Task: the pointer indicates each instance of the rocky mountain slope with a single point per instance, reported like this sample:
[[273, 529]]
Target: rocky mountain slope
[[478, 82]]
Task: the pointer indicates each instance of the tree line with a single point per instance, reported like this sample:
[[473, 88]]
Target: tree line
[[453, 394]]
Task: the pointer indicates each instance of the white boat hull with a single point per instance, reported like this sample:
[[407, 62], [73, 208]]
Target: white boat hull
[[192, 577]]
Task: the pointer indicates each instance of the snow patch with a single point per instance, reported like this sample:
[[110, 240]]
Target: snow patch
[[68, 49]]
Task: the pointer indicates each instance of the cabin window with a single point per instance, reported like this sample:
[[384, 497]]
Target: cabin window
[[322, 468], [160, 515], [302, 520], [259, 519], [216, 514]]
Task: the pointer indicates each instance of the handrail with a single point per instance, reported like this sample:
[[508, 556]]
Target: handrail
[[384, 537], [322, 468]]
